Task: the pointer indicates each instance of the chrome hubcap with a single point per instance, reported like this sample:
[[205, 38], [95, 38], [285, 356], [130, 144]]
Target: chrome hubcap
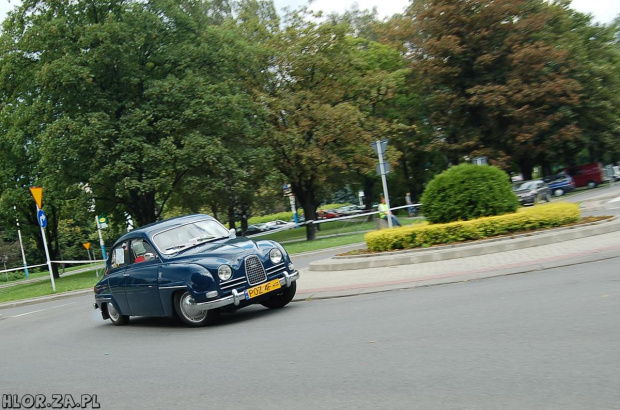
[[112, 312], [189, 309]]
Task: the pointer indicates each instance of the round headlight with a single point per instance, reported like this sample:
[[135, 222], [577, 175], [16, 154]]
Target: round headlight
[[275, 255], [224, 272]]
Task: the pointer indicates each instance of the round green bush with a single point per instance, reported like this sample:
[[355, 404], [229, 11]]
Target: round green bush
[[467, 192]]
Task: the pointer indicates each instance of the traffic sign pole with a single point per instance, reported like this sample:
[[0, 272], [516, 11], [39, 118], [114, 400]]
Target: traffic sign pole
[[380, 147], [47, 252], [101, 242]]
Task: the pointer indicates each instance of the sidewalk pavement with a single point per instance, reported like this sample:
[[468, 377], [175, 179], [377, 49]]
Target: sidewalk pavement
[[348, 276]]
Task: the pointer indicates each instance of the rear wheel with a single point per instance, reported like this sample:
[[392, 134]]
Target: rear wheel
[[116, 317], [591, 184], [185, 306], [281, 299]]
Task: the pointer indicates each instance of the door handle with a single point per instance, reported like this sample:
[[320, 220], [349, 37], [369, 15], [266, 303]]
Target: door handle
[[125, 274]]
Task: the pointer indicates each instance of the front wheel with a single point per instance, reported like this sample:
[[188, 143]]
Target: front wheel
[[281, 299], [591, 184], [558, 192], [115, 316], [185, 306]]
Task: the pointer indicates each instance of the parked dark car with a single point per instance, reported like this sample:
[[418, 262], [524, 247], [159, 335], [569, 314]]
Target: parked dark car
[[256, 228], [560, 184], [192, 267], [532, 192]]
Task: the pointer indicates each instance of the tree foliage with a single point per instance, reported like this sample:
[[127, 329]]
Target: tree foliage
[[164, 107]]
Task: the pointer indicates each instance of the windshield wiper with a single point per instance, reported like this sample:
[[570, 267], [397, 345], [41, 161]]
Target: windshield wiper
[[179, 247]]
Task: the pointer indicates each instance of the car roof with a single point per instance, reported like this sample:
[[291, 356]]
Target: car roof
[[150, 229]]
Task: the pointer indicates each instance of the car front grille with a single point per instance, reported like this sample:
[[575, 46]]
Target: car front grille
[[254, 270]]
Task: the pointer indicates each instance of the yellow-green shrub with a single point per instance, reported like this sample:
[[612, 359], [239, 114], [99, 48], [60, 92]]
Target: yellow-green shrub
[[525, 219]]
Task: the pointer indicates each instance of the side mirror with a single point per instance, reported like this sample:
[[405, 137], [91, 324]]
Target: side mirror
[[232, 233]]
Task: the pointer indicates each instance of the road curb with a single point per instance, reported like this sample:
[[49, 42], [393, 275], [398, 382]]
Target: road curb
[[485, 247]]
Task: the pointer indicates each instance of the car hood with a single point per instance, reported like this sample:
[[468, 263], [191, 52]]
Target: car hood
[[232, 250]]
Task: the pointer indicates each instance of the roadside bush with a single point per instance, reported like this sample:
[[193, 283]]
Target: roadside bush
[[284, 216], [15, 275], [526, 219], [466, 192]]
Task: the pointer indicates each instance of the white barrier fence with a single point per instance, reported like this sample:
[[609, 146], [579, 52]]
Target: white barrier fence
[[340, 218], [6, 271]]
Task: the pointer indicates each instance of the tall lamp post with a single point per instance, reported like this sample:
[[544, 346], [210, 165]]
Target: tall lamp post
[[21, 244], [4, 259]]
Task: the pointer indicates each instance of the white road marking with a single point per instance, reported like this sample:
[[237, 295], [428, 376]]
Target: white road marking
[[42, 310], [615, 200]]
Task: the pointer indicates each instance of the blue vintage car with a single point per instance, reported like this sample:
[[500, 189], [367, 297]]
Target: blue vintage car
[[194, 268]]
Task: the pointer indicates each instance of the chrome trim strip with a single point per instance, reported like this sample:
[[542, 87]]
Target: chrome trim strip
[[275, 267], [173, 287]]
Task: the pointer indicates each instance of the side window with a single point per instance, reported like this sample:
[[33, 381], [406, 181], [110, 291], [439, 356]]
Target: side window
[[141, 251], [120, 256]]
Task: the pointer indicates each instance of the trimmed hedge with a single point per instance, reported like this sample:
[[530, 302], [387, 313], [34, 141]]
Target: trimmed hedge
[[524, 220], [465, 192]]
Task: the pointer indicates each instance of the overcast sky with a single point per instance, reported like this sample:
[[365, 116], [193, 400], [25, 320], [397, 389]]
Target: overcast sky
[[604, 11]]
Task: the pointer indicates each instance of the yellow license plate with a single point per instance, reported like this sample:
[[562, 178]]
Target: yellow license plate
[[262, 289]]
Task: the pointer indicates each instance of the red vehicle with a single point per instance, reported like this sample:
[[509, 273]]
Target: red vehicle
[[589, 175], [328, 214]]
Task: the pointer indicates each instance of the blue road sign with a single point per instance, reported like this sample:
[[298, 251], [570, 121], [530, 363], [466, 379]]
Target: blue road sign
[[42, 218]]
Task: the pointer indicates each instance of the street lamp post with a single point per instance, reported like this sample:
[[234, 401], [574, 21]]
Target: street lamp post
[[21, 244], [4, 259]]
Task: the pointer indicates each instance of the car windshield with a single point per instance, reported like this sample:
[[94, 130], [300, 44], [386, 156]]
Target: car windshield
[[185, 236], [525, 185]]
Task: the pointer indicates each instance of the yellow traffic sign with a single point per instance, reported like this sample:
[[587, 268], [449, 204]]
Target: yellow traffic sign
[[37, 193], [87, 245]]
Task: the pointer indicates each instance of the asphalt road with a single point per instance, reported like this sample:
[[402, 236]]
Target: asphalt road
[[546, 340]]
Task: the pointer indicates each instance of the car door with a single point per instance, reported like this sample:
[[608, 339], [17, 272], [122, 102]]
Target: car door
[[116, 277], [141, 280]]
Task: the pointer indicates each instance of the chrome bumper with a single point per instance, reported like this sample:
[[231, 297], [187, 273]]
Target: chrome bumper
[[237, 297]]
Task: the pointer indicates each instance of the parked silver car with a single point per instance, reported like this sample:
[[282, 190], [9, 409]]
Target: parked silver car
[[532, 192]]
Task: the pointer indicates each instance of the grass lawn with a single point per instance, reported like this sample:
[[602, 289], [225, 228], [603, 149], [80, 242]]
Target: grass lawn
[[82, 280]]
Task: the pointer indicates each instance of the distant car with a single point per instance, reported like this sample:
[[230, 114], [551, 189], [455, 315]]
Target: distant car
[[279, 224], [256, 228], [615, 173], [560, 184], [532, 192], [586, 175], [349, 210], [328, 214], [192, 267]]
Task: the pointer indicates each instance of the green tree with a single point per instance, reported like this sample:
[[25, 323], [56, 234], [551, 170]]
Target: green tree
[[318, 130], [495, 81], [130, 96]]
